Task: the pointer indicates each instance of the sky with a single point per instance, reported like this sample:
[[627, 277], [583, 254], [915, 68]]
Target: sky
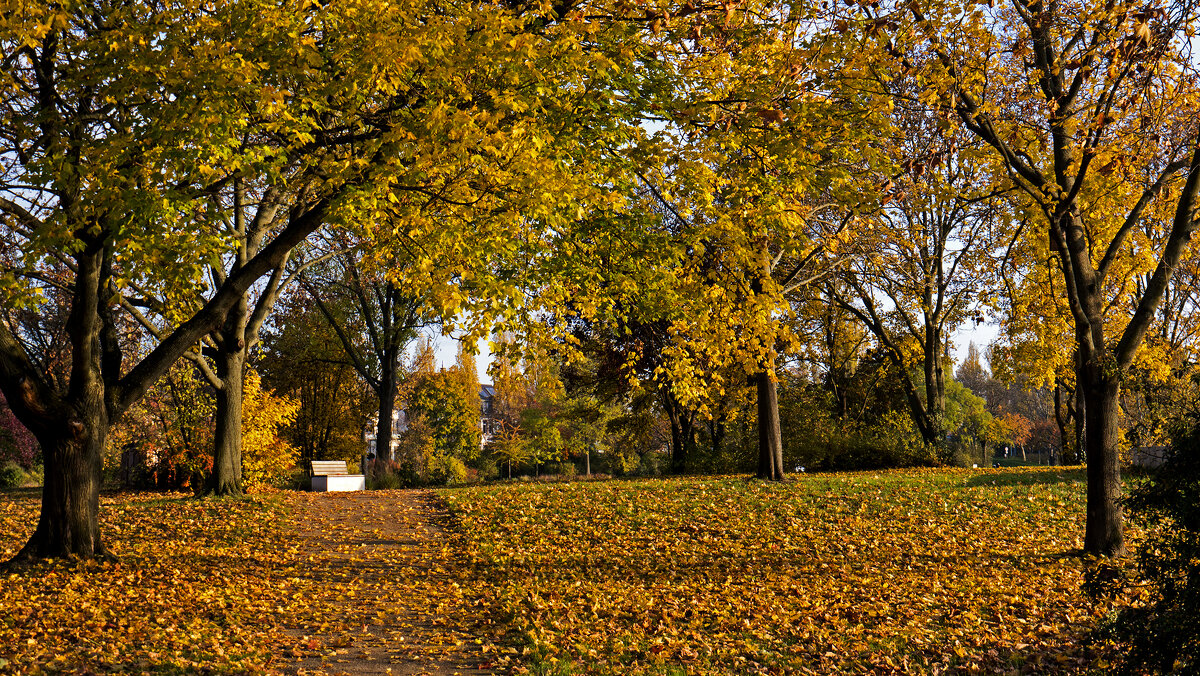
[[446, 351], [981, 334]]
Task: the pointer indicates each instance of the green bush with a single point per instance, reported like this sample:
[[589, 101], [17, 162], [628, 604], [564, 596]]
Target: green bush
[[389, 474], [653, 464], [1159, 632], [486, 467], [11, 475], [563, 469], [445, 470]]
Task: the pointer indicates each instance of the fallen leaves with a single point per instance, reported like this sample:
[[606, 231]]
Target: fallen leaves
[[914, 571], [932, 571], [265, 584]]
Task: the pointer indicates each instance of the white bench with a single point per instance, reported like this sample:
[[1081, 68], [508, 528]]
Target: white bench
[[331, 475]]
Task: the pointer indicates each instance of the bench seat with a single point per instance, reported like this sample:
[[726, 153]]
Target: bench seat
[[331, 475]]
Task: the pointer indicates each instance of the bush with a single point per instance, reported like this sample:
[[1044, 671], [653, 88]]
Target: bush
[[653, 463], [11, 475], [567, 470], [486, 468], [1159, 629], [389, 474], [445, 470]]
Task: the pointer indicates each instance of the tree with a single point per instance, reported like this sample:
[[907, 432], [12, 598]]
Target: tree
[[223, 356], [919, 271], [1090, 109], [302, 358], [971, 372], [448, 410], [376, 326], [129, 118]]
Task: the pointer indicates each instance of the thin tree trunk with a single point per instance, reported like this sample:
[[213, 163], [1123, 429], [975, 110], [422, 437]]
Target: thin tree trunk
[[770, 442], [683, 433], [716, 432], [1081, 408], [1061, 415]]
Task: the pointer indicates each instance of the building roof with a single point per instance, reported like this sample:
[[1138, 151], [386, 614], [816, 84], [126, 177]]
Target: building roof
[[486, 391]]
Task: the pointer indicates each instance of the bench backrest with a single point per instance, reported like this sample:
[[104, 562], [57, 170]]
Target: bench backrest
[[329, 467]]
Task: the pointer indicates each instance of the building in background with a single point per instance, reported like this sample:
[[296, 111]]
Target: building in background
[[487, 420]]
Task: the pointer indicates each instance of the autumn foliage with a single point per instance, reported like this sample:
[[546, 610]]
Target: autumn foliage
[[918, 571], [928, 571]]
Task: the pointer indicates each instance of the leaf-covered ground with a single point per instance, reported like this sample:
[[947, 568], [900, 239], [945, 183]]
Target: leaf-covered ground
[[928, 571], [896, 572], [291, 583]]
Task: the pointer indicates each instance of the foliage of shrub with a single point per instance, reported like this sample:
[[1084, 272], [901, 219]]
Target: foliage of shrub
[[35, 475], [445, 470], [267, 459], [389, 474], [1159, 627], [11, 475], [563, 469], [485, 467], [652, 464], [16, 442]]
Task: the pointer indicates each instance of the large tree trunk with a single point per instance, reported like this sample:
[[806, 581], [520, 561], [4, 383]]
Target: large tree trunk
[[1104, 533], [770, 441], [69, 524], [227, 443]]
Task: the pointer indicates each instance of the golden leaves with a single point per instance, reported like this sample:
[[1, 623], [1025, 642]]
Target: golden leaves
[[915, 571], [236, 586]]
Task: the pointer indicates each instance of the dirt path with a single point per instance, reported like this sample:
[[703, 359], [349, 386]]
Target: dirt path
[[387, 593]]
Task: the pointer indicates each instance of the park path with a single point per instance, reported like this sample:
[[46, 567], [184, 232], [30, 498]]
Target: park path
[[387, 587]]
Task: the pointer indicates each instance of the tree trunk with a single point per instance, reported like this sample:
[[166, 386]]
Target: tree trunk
[[1061, 415], [69, 524], [683, 432], [1104, 533], [770, 441], [227, 439], [387, 406], [934, 371], [1081, 407], [716, 433]]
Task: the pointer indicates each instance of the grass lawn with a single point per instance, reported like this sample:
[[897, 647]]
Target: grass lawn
[[922, 571]]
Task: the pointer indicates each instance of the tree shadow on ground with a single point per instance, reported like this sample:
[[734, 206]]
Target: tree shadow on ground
[[1049, 475]]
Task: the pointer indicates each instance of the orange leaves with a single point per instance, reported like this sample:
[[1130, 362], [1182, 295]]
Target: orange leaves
[[918, 571]]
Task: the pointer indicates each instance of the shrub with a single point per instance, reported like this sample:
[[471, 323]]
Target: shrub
[[445, 470], [566, 470], [267, 459], [486, 467], [653, 463], [11, 475], [389, 474], [1159, 629]]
